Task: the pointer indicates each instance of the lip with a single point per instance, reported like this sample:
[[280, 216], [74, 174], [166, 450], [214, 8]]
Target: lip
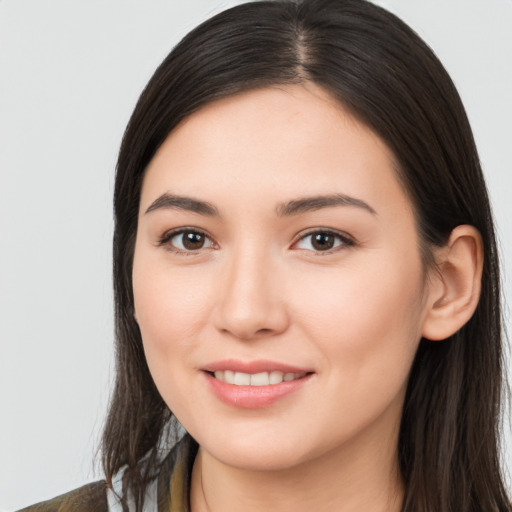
[[253, 397], [257, 366]]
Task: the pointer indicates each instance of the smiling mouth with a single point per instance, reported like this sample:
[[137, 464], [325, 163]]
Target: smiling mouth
[[256, 379]]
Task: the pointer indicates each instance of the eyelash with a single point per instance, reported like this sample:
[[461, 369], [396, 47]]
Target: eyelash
[[168, 236], [345, 241]]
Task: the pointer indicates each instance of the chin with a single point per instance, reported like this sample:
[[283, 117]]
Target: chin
[[254, 451], [251, 458]]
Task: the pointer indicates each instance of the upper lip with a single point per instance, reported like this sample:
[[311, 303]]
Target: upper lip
[[252, 367]]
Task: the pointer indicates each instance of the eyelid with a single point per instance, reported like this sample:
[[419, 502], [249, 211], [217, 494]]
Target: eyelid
[[164, 240], [346, 239]]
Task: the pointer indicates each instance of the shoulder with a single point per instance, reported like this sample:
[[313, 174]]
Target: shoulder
[[169, 490], [89, 498]]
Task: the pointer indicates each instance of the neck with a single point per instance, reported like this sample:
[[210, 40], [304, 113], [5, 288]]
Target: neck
[[364, 476]]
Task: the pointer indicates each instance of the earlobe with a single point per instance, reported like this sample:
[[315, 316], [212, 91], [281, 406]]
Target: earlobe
[[454, 287]]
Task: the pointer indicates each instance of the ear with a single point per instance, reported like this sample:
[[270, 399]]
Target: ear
[[455, 284]]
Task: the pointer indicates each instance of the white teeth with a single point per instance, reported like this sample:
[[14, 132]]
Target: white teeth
[[260, 379], [242, 379], [256, 379], [276, 377]]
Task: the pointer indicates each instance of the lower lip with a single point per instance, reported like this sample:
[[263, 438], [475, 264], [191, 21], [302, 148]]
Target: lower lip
[[253, 397]]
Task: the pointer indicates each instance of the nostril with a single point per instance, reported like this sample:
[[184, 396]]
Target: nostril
[[263, 331]]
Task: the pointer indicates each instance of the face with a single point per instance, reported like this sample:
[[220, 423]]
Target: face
[[278, 282]]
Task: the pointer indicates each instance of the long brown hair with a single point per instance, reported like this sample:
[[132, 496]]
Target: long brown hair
[[379, 69]]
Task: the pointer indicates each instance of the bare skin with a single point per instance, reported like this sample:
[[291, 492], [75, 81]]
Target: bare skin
[[368, 479], [273, 231]]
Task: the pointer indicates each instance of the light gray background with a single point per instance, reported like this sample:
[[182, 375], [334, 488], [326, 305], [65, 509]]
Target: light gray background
[[70, 73]]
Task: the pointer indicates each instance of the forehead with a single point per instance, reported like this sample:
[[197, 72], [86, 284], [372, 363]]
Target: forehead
[[279, 143]]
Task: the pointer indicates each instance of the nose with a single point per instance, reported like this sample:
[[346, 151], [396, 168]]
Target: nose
[[251, 302]]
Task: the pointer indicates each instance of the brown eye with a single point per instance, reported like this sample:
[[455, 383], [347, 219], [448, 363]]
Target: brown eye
[[323, 241], [188, 241], [193, 241]]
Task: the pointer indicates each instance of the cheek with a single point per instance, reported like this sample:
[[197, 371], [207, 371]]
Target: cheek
[[171, 307], [365, 320], [366, 326]]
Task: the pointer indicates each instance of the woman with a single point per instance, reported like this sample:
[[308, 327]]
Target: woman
[[306, 277]]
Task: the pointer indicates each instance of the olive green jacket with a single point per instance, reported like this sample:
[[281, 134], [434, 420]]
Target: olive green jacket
[[172, 488]]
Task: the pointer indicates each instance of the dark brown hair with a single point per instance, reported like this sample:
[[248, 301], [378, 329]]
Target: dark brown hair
[[379, 69]]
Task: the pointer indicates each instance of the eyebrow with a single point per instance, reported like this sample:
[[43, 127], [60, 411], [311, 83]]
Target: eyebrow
[[171, 201], [309, 204], [293, 207]]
